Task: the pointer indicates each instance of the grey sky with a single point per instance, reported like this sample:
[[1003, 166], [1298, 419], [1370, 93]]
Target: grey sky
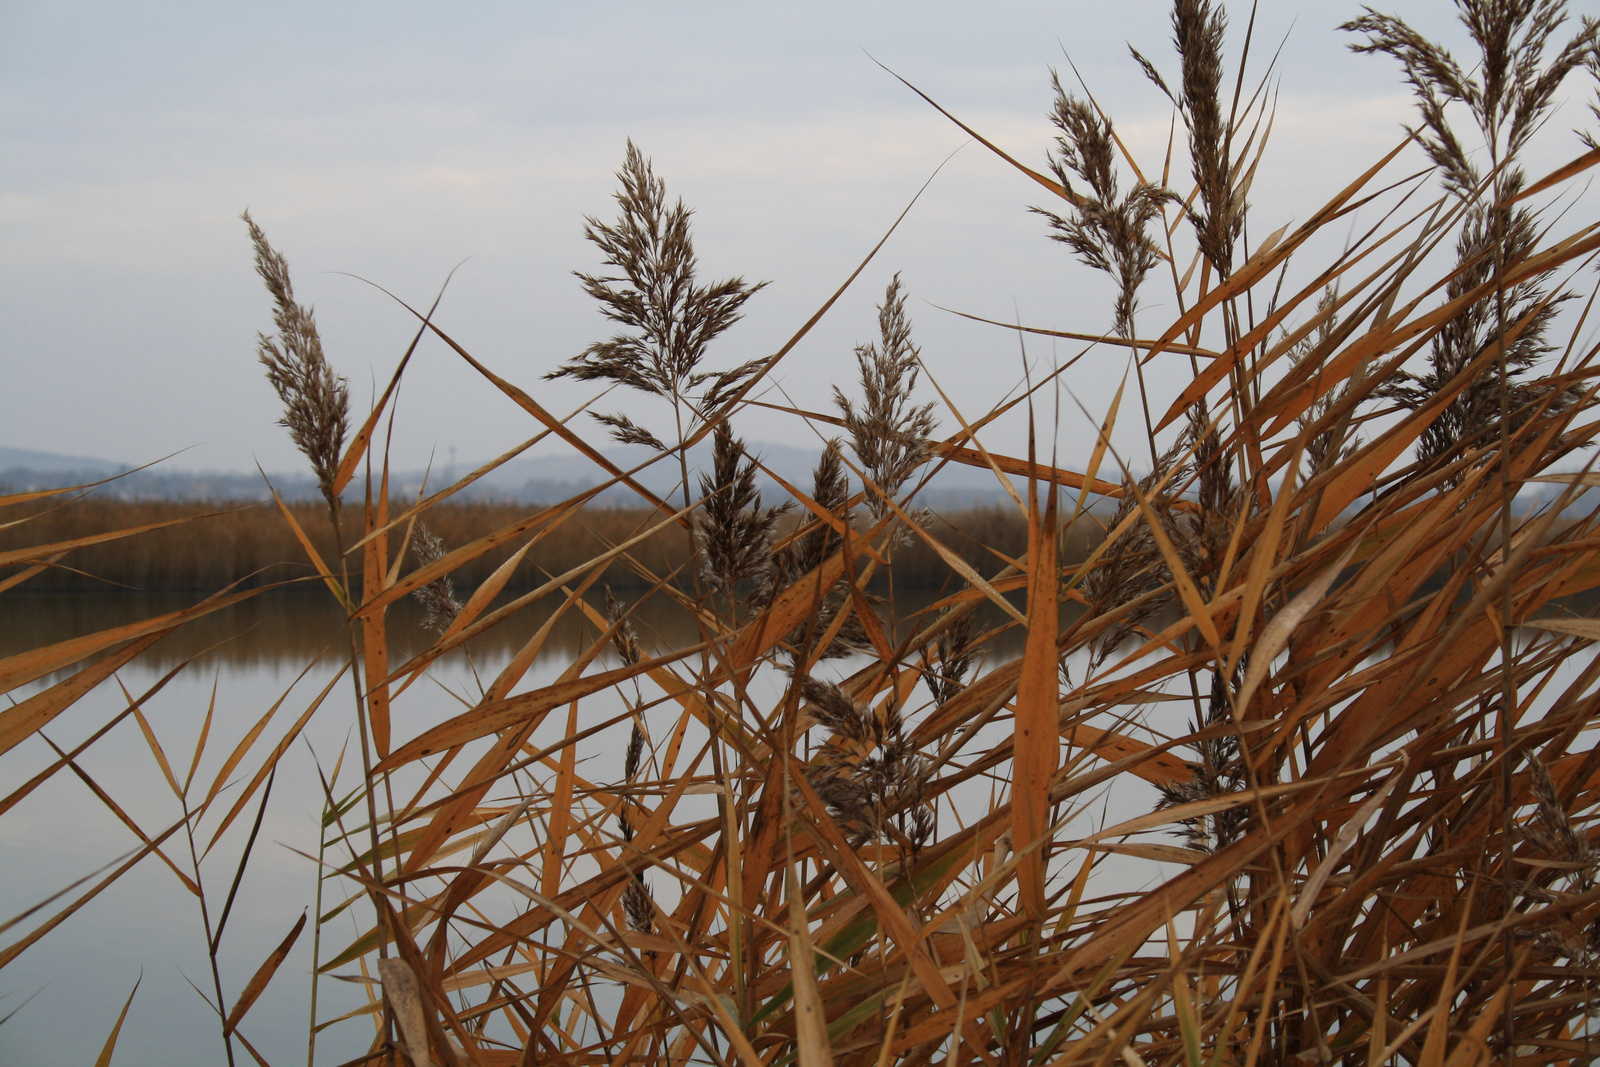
[[394, 140]]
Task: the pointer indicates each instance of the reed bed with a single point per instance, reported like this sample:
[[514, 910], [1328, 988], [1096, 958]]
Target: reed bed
[[1271, 793], [200, 546], [195, 545]]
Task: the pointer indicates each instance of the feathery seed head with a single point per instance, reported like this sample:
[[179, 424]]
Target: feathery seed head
[[636, 905], [1509, 90], [735, 531], [623, 637], [1218, 215], [438, 598], [869, 773], [955, 657], [669, 318], [888, 432], [316, 402], [830, 489], [1105, 233]]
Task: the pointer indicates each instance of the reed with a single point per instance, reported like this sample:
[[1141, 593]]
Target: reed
[[212, 545], [1320, 666], [208, 546]]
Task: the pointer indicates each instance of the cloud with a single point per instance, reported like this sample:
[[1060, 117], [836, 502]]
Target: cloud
[[395, 147]]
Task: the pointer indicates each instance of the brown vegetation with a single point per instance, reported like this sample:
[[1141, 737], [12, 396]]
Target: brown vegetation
[[209, 546], [831, 831]]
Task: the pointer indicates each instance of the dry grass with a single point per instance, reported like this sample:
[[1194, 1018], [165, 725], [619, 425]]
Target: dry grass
[[209, 546], [1358, 803]]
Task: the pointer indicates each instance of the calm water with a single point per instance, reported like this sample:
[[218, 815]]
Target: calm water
[[242, 660], [67, 989]]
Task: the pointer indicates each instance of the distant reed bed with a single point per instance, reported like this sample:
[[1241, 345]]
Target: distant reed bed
[[211, 545]]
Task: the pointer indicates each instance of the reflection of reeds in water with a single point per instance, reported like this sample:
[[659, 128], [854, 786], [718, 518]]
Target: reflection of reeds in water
[[1365, 834], [286, 629]]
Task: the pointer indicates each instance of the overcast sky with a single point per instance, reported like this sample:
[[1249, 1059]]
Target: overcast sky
[[394, 140]]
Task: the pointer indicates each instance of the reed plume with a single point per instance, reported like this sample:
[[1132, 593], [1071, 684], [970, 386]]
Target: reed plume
[[1217, 772], [1507, 94], [438, 597], [798, 556], [1201, 534], [624, 638], [1198, 31], [1107, 232], [1334, 443], [316, 402], [948, 661], [636, 906], [889, 433], [869, 772], [671, 316], [1134, 582], [734, 530]]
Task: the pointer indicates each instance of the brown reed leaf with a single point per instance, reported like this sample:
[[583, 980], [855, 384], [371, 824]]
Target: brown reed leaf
[[1055, 187], [1035, 738], [22, 720], [790, 606], [258, 981], [814, 1049], [1275, 635], [1252, 273], [374, 635], [401, 990], [363, 438], [240, 750], [497, 715], [122, 816], [1588, 629], [110, 1047], [334, 587], [264, 772]]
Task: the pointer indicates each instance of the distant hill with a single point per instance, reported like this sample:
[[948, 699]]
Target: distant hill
[[23, 470], [545, 479], [49, 463], [558, 477]]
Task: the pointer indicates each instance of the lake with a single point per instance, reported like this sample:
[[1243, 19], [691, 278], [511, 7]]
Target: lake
[[65, 992]]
